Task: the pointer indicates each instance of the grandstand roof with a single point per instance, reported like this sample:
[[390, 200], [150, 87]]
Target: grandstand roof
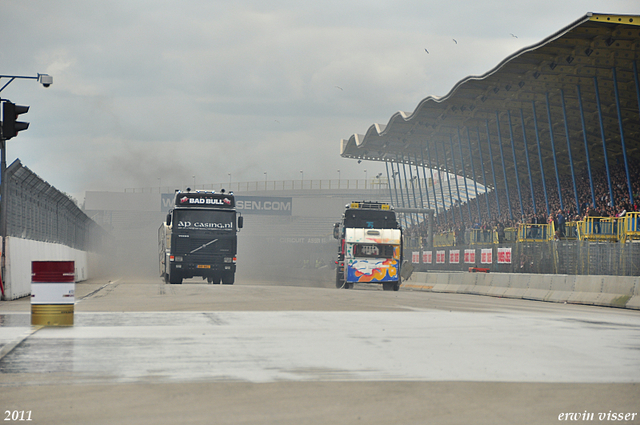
[[566, 65]]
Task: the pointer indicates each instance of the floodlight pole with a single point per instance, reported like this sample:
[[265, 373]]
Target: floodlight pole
[[46, 80]]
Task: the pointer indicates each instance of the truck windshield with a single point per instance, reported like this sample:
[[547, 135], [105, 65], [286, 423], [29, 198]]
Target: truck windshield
[[369, 219], [204, 220]]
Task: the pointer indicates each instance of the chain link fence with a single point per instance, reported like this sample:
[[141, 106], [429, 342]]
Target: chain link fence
[[40, 212]]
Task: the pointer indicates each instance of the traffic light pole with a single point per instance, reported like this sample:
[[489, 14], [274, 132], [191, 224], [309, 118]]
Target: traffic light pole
[[3, 210], [46, 80]]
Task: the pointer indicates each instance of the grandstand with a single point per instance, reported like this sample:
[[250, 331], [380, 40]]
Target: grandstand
[[553, 129]]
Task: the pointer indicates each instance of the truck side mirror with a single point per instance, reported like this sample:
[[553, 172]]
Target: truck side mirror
[[336, 231], [169, 219], [240, 222]]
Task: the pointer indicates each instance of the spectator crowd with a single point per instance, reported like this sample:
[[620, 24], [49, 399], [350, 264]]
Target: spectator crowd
[[457, 218]]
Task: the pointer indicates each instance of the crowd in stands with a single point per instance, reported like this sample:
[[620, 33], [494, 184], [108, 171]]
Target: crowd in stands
[[457, 218]]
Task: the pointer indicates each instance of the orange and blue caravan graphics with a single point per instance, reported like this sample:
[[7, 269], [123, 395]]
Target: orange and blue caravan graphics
[[372, 255]]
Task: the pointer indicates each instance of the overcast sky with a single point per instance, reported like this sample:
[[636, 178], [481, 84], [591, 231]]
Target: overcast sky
[[154, 92]]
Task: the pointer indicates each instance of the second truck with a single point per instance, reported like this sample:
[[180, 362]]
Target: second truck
[[370, 249]]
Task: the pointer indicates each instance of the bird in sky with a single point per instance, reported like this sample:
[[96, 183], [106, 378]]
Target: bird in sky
[[513, 35], [338, 87], [454, 40], [426, 50]]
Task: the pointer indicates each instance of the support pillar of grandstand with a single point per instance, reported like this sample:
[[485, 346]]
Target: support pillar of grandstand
[[386, 165], [444, 207], [415, 156], [553, 150], [473, 170], [435, 198], [624, 149], [544, 184], [493, 168], [526, 154], [455, 172], [464, 174], [484, 176], [515, 163], [395, 187], [406, 186], [586, 145], [399, 188], [504, 168], [413, 190], [446, 166], [637, 84], [566, 133], [604, 143], [424, 176]]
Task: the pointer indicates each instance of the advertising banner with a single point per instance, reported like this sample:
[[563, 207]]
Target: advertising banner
[[486, 256], [454, 256], [470, 256], [415, 257], [427, 257], [504, 255], [262, 205]]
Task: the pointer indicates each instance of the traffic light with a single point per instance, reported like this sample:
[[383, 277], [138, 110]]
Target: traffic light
[[10, 113]]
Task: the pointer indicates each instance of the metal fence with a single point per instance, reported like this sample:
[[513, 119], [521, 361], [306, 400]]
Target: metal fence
[[572, 257], [38, 211]]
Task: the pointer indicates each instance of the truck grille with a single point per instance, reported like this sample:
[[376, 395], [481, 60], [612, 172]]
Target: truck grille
[[189, 246]]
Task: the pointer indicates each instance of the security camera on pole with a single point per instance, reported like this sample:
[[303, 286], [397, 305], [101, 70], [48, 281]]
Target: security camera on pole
[[9, 128]]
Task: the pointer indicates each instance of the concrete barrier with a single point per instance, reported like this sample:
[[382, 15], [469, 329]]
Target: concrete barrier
[[611, 291], [20, 254], [634, 301]]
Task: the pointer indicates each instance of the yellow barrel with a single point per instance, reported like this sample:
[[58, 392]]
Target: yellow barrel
[[52, 315]]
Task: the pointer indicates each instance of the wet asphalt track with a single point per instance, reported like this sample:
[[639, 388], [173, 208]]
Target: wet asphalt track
[[128, 333]]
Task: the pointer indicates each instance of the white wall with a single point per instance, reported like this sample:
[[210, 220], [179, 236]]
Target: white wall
[[20, 254]]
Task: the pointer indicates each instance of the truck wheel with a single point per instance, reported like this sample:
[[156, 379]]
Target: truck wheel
[[340, 283], [387, 286], [228, 278], [396, 286], [175, 279]]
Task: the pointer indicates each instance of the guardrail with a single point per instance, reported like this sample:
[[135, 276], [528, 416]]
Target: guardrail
[[630, 228], [535, 232]]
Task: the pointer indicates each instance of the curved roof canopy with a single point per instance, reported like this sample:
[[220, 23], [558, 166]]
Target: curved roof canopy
[[550, 98]]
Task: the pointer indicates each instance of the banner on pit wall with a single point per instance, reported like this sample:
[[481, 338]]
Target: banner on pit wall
[[504, 255], [454, 256], [486, 256], [427, 257], [470, 256]]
